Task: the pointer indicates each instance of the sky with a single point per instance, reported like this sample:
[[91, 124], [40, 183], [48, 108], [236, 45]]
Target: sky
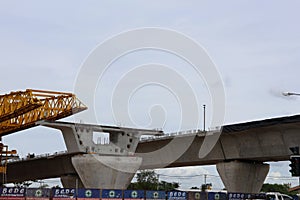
[[254, 45]]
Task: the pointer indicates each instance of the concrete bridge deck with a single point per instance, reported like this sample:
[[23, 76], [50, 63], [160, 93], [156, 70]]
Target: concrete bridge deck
[[257, 141]]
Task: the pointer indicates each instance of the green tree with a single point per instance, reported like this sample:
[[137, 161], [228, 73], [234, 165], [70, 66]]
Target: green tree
[[148, 180], [166, 186], [282, 188]]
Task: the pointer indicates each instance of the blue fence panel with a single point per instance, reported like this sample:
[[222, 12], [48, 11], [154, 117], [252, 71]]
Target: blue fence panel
[[239, 196], [177, 195], [216, 196], [111, 194], [155, 195], [134, 194], [12, 193], [63, 193], [88, 193], [197, 195], [37, 193]]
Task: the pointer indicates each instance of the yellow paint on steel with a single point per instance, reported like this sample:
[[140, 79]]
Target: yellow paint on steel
[[5, 154], [2, 169], [21, 110], [16, 103]]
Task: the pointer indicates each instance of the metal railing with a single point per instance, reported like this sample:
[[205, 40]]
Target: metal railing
[[33, 156], [179, 134]]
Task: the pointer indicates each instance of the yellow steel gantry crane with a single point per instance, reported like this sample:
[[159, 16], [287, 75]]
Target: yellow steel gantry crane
[[21, 110]]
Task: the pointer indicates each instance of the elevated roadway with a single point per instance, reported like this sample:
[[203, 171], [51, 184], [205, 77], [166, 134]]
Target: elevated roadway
[[240, 151]]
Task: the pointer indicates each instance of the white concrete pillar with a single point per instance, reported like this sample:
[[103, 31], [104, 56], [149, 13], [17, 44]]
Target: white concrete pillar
[[106, 172], [243, 177]]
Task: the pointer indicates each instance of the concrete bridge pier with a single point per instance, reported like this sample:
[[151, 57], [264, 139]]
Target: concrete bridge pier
[[106, 172], [243, 177]]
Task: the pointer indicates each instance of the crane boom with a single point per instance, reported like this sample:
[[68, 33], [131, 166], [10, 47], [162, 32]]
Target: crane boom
[[21, 110]]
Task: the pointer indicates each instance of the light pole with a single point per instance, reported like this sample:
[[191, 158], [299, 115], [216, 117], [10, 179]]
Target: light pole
[[290, 94]]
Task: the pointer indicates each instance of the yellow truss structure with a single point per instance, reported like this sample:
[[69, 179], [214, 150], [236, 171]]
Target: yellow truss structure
[[21, 110]]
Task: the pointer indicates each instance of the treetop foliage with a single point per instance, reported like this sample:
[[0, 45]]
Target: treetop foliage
[[148, 180]]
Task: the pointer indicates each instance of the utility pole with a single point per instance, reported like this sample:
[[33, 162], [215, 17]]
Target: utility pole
[[204, 117], [157, 182], [76, 188]]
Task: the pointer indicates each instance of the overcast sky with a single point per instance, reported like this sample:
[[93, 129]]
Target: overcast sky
[[255, 46]]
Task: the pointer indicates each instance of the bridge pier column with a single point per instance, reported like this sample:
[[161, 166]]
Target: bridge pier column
[[106, 172], [243, 177]]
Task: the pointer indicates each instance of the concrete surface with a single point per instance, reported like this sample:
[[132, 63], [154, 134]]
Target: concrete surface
[[243, 177], [106, 172]]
